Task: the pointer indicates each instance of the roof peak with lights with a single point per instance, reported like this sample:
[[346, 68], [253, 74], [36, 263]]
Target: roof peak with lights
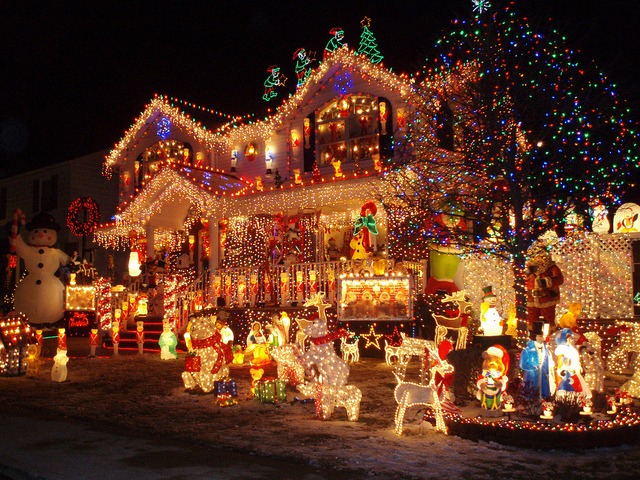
[[237, 127]]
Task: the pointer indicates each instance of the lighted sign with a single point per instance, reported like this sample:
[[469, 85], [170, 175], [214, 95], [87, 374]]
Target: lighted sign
[[80, 297], [375, 298]]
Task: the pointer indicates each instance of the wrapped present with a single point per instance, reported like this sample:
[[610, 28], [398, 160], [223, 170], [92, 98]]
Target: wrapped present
[[192, 363], [222, 387], [226, 400], [271, 390]]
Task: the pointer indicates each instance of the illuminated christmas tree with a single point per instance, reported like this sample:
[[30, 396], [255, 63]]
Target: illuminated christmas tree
[[510, 135], [368, 45]]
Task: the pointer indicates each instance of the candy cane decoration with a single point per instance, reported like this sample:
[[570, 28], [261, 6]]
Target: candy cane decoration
[[18, 216]]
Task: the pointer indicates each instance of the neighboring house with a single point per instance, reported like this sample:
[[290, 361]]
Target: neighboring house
[[51, 189]]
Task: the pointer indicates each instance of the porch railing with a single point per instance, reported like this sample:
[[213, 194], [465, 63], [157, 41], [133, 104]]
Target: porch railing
[[293, 284], [282, 285]]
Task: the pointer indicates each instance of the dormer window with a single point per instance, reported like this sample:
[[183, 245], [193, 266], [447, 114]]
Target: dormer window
[[148, 162], [348, 130]]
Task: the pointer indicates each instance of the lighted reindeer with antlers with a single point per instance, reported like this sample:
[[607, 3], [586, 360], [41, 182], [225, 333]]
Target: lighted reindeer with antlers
[[329, 372]]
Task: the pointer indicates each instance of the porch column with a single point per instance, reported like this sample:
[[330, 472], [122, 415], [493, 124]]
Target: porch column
[[214, 240], [149, 231]]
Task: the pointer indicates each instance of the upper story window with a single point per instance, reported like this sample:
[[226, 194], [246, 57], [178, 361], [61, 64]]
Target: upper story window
[[45, 194], [148, 162], [347, 130]]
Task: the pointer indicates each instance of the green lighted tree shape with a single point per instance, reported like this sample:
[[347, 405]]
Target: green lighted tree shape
[[368, 45], [507, 136]]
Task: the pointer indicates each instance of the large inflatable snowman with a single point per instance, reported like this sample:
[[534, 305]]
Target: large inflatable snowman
[[40, 295]]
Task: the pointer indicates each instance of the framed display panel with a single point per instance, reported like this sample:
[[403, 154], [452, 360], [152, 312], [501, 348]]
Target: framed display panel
[[80, 298], [375, 299]]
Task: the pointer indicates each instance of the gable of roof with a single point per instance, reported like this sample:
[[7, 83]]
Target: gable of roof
[[380, 79], [157, 108]]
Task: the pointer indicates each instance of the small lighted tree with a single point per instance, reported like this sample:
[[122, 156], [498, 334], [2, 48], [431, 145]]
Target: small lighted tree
[[368, 44], [508, 134]]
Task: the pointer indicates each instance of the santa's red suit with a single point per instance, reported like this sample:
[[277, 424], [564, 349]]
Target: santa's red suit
[[543, 288]]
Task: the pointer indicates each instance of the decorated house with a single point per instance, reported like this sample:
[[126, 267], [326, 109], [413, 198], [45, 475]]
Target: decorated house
[[263, 213], [257, 215]]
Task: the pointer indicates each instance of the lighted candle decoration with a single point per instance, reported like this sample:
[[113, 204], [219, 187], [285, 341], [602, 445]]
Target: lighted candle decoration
[[227, 289], [94, 339], [331, 285], [62, 339], [284, 289], [115, 336], [253, 289], [217, 286], [268, 288], [299, 286], [313, 282], [242, 290], [140, 336]]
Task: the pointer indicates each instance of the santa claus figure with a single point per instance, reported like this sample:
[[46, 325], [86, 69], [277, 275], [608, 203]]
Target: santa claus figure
[[40, 295], [543, 280]]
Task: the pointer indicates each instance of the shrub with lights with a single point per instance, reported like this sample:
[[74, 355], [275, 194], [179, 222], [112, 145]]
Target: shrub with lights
[[16, 336]]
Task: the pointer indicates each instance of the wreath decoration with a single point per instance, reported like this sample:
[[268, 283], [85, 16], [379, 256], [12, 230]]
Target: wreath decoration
[[82, 216]]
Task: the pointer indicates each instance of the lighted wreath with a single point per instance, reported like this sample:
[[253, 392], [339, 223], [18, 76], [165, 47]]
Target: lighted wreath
[[251, 151], [82, 216]]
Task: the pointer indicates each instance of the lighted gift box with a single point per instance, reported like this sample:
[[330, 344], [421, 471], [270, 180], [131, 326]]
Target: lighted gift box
[[192, 363], [223, 387], [271, 391]]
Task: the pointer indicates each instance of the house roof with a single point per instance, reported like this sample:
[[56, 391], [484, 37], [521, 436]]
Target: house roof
[[379, 79]]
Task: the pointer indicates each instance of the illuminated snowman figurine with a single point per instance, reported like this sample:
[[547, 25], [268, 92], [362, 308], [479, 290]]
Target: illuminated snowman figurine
[[59, 369], [40, 294]]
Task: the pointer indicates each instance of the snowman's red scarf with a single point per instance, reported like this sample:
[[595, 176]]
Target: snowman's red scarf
[[330, 337], [223, 350]]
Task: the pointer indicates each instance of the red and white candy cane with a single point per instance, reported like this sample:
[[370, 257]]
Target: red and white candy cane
[[18, 220]]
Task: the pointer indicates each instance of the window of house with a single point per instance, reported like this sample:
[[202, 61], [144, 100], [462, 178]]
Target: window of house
[[49, 197], [347, 130], [148, 162]]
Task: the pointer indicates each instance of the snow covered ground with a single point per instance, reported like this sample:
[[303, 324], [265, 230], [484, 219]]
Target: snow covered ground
[[144, 395]]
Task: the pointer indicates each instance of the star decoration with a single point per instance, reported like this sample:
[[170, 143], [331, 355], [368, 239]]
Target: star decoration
[[365, 22], [394, 338], [480, 5], [372, 338]]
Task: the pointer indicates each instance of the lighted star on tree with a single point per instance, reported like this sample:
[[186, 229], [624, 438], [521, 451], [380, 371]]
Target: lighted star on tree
[[372, 338], [480, 5]]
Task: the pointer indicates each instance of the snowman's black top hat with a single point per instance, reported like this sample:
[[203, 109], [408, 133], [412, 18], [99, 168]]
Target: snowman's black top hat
[[43, 220]]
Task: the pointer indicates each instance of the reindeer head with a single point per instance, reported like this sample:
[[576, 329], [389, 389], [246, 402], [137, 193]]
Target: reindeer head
[[318, 328]]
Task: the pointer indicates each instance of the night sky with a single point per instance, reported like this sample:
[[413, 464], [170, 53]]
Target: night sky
[[75, 74]]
